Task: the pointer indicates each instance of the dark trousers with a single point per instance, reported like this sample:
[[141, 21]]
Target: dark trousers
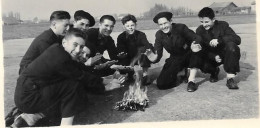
[[230, 55], [168, 76], [30, 97]]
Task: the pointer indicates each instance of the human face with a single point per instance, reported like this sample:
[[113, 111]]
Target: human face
[[73, 45], [106, 27], [206, 22], [61, 26], [84, 55], [82, 24], [130, 27], [164, 25]]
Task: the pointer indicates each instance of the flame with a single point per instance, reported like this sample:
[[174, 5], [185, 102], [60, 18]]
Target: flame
[[134, 96]]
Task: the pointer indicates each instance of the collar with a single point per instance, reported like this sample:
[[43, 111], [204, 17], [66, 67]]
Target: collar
[[127, 35]]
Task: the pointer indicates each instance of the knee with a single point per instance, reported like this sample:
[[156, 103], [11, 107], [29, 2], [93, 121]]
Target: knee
[[231, 47]]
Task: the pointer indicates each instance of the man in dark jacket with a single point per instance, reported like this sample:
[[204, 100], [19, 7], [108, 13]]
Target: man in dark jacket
[[219, 46], [59, 24], [131, 45], [101, 41], [177, 39], [56, 79]]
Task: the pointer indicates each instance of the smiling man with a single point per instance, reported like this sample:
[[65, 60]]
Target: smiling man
[[55, 80], [220, 46], [101, 41], [132, 44], [182, 44]]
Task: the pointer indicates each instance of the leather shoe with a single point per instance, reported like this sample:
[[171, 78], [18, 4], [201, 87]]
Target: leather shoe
[[231, 84], [214, 77], [192, 87], [19, 122]]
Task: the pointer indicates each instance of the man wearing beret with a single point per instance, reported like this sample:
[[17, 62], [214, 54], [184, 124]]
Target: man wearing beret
[[59, 25], [101, 41], [220, 46], [56, 80], [83, 20], [182, 44]]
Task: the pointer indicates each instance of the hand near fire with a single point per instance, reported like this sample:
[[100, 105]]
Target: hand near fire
[[150, 55], [93, 60], [105, 65], [122, 55], [111, 84]]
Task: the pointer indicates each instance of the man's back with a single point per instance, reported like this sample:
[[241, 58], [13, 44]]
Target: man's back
[[38, 46]]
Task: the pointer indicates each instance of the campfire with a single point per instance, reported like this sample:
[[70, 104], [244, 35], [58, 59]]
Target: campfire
[[135, 98]]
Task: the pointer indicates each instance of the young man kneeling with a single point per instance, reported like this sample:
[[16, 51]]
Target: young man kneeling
[[54, 80]]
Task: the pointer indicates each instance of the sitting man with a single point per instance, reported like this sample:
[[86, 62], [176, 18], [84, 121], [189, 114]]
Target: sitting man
[[59, 25], [101, 41], [55, 80], [131, 45], [181, 43], [219, 46]]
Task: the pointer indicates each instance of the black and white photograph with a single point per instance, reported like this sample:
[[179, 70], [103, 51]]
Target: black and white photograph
[[129, 63]]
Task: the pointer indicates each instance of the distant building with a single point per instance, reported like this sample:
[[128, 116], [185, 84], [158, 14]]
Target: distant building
[[223, 8], [241, 10]]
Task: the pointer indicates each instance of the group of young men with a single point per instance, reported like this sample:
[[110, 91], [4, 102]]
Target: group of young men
[[67, 60]]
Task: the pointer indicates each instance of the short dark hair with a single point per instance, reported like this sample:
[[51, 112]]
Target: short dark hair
[[206, 12], [59, 15], [75, 32], [109, 17], [128, 17]]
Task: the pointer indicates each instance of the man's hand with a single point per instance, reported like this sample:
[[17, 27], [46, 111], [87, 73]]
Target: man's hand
[[150, 55], [114, 83], [105, 65], [213, 43], [218, 59], [122, 55], [195, 47], [93, 60]]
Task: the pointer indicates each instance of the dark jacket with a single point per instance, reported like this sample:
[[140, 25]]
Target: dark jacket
[[55, 65], [101, 43], [220, 31], [133, 44], [177, 42], [38, 46]]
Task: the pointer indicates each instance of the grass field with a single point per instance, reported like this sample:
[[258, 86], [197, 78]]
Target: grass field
[[32, 30]]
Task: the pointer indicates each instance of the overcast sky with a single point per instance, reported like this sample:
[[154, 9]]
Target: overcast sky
[[43, 8]]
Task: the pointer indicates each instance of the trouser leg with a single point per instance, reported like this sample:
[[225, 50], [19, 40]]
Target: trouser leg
[[168, 76], [231, 58]]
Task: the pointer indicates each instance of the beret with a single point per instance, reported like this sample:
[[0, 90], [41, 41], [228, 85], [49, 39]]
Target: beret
[[167, 15], [81, 13]]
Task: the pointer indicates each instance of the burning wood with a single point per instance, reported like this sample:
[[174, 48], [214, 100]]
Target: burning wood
[[135, 98]]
